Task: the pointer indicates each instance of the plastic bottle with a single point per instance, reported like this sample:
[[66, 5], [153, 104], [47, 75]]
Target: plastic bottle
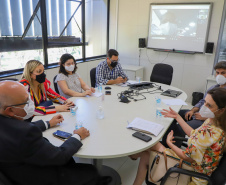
[[158, 108], [100, 87], [100, 112], [73, 111], [79, 124]]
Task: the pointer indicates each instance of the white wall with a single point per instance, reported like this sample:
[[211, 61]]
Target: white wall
[[190, 71]]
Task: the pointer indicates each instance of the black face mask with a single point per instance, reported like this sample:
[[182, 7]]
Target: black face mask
[[113, 64], [41, 78]]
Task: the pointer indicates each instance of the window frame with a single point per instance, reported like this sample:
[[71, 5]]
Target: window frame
[[46, 45]]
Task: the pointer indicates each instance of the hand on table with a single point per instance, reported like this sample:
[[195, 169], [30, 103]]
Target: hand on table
[[82, 132], [87, 92], [56, 119], [93, 90], [119, 80], [63, 108], [69, 102]]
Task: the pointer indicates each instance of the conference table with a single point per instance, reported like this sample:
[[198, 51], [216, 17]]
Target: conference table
[[109, 137]]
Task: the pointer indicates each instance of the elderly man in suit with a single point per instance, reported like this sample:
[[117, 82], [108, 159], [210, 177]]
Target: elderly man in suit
[[26, 157]]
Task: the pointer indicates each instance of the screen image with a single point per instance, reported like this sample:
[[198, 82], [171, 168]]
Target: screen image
[[179, 26]]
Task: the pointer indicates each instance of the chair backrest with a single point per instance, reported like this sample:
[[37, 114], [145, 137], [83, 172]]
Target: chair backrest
[[162, 73], [55, 85], [93, 77], [11, 79], [218, 176], [4, 180]]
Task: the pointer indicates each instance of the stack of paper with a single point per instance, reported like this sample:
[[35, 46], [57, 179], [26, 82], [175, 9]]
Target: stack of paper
[[97, 94], [174, 102], [145, 126]]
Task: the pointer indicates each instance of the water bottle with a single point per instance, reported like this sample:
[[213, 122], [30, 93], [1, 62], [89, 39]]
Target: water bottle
[[78, 125], [158, 108], [100, 112], [100, 87], [73, 110]]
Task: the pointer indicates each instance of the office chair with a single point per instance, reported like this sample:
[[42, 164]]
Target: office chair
[[11, 79], [4, 180], [218, 176], [55, 85], [162, 73], [93, 77]]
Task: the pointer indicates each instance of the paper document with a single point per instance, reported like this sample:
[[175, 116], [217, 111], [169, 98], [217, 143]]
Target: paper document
[[97, 94], [174, 102], [132, 82], [145, 126]]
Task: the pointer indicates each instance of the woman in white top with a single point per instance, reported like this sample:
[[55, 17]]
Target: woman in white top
[[69, 82]]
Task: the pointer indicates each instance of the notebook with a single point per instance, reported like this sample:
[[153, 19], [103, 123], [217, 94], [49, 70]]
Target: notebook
[[145, 126]]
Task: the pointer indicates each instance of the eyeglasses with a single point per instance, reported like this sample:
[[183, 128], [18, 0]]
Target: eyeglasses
[[16, 105], [114, 60]]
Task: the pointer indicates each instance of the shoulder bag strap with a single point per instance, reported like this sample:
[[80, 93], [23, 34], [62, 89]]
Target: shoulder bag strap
[[157, 157]]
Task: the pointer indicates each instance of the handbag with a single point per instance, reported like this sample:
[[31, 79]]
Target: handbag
[[160, 162]]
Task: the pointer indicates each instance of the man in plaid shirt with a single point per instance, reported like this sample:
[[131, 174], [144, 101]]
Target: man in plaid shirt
[[110, 71]]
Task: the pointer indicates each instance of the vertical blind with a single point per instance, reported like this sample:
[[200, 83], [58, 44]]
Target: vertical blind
[[15, 15]]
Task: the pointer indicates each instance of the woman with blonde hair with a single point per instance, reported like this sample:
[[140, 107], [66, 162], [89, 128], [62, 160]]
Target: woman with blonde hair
[[206, 144], [34, 80]]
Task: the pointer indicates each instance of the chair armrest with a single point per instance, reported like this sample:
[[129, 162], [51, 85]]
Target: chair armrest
[[180, 138], [185, 172]]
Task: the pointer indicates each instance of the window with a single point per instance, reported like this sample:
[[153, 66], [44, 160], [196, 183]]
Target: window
[[46, 29], [96, 24]]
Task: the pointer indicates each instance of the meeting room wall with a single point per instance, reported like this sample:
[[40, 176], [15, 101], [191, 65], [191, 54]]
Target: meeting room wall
[[83, 70], [129, 21]]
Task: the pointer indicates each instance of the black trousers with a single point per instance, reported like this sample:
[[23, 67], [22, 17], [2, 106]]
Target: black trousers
[[178, 131]]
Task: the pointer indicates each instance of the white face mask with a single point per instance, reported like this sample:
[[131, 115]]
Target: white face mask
[[221, 80], [205, 112], [70, 68], [28, 108]]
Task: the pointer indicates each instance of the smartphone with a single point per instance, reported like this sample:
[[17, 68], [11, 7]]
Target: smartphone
[[107, 92], [62, 135], [142, 136], [107, 87]]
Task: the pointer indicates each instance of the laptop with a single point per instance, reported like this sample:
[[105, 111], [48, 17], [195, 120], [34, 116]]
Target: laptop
[[142, 84], [171, 93]]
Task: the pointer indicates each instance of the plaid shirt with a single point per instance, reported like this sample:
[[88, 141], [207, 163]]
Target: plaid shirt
[[104, 73]]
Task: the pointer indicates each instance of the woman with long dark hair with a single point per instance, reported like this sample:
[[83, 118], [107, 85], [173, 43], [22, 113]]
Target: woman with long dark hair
[[70, 84], [206, 144]]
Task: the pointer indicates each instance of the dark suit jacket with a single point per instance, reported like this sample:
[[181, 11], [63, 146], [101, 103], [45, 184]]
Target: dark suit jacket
[[27, 158]]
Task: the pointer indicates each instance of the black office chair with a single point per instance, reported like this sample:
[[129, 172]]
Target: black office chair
[[93, 77], [162, 73], [55, 85], [218, 176], [11, 79], [4, 180]]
